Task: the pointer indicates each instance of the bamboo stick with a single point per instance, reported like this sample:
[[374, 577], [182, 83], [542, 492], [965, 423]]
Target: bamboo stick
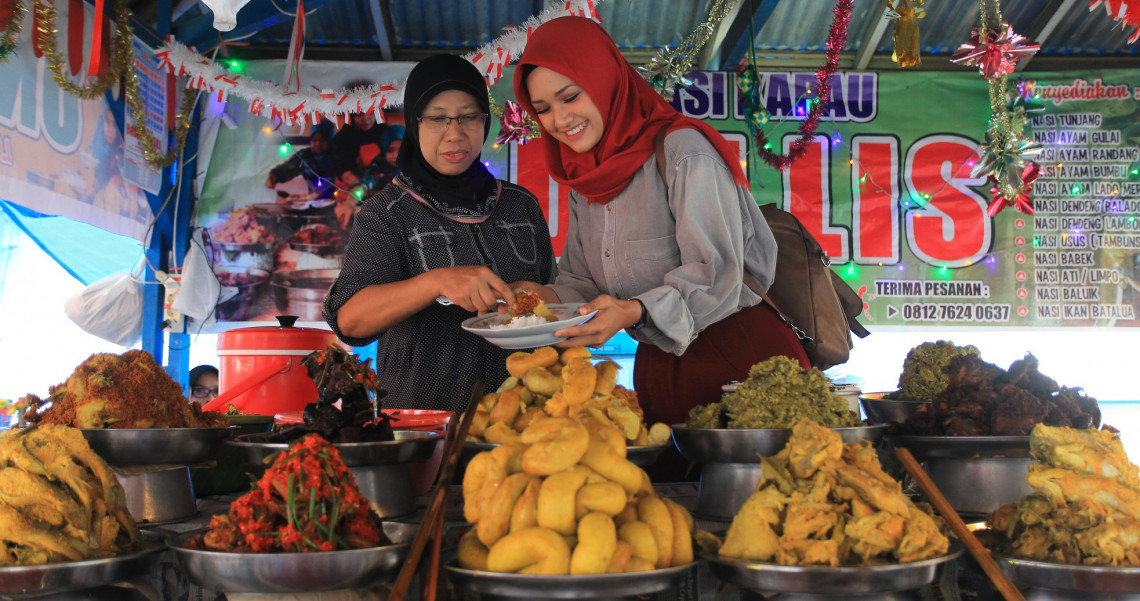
[[435, 510], [973, 545]]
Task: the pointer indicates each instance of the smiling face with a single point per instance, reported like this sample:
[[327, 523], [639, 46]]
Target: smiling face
[[565, 110], [453, 150]]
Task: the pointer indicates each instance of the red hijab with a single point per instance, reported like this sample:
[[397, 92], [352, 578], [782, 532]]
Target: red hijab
[[581, 50]]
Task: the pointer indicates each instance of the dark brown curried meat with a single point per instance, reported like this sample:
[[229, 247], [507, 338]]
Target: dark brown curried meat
[[984, 400]]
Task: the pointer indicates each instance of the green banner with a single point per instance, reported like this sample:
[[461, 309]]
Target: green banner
[[886, 188]]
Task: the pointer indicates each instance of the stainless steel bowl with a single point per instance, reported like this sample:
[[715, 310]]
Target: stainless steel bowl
[[974, 487], [157, 446], [409, 446], [600, 586], [882, 411], [961, 447], [237, 307], [76, 575], [293, 572], [1092, 582], [727, 445], [823, 580], [301, 292]]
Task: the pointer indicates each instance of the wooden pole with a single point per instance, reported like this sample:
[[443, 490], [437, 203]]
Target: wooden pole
[[973, 545]]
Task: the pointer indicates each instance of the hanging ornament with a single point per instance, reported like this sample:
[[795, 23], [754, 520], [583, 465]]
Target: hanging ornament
[[11, 14], [514, 124], [836, 38], [1006, 152], [669, 69], [120, 56], [997, 54], [1127, 12], [907, 52], [1019, 197], [748, 81], [225, 12]]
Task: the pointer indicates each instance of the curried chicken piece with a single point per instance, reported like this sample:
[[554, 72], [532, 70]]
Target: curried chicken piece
[[751, 536], [1063, 486], [1095, 452], [1085, 508], [820, 502], [58, 500], [810, 447]]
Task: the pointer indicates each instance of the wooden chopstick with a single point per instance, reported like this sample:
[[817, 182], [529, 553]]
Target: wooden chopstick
[[1004, 585], [435, 510]]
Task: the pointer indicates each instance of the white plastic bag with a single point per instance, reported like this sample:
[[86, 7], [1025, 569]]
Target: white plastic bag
[[110, 308], [199, 292]]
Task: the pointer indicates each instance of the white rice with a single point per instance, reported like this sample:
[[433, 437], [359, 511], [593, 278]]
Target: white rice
[[520, 321]]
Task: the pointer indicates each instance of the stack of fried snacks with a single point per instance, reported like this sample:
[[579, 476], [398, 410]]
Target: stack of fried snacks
[[59, 501], [1085, 505], [544, 384], [565, 500], [821, 502]]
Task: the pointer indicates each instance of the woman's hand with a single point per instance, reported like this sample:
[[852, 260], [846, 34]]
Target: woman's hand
[[473, 287], [613, 314]]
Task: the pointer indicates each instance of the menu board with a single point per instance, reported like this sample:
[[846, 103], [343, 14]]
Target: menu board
[[1083, 240]]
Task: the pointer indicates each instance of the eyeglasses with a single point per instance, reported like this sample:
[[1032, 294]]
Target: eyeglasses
[[437, 124], [201, 392]]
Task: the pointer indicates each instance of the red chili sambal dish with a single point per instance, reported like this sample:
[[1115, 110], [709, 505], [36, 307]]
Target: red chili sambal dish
[[307, 501]]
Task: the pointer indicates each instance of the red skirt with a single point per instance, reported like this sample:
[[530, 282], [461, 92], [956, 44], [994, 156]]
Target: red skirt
[[668, 386]]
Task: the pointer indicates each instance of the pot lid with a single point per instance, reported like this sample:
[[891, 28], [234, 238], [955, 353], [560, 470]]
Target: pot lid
[[281, 337]]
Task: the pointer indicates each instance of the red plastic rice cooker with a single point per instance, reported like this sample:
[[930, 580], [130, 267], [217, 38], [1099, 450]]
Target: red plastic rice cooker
[[261, 366]]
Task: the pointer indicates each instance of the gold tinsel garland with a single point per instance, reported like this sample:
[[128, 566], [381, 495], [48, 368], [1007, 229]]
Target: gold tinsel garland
[[121, 66], [182, 122], [12, 31], [57, 64]]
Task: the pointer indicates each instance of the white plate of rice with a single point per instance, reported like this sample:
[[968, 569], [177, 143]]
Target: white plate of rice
[[525, 331]]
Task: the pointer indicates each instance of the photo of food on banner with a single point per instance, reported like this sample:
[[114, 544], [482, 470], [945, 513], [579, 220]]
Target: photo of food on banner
[[278, 254]]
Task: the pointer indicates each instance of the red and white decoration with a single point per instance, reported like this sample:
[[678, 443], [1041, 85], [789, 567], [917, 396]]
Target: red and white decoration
[[276, 102]]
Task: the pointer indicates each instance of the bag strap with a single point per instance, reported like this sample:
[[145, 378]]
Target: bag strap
[[753, 285]]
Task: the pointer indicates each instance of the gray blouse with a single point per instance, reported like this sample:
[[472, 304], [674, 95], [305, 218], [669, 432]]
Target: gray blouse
[[682, 256]]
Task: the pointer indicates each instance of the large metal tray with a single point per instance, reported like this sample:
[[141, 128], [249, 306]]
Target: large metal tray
[[824, 580], [75, 575], [601, 586], [272, 573], [639, 456], [733, 445], [409, 446], [961, 447], [157, 446], [1090, 580]]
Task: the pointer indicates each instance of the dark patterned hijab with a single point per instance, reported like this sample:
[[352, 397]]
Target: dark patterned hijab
[[471, 193]]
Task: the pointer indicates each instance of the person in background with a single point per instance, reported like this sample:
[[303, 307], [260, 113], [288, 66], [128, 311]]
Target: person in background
[[203, 384], [361, 139], [665, 263], [315, 163], [383, 168], [447, 229]]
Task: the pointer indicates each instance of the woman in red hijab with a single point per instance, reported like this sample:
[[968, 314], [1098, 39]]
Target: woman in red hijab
[[664, 263]]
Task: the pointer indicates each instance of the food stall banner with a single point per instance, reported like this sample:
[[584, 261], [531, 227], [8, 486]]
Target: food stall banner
[[276, 211], [60, 155], [886, 188]]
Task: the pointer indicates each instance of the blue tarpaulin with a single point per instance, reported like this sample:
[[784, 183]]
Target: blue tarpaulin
[[87, 252]]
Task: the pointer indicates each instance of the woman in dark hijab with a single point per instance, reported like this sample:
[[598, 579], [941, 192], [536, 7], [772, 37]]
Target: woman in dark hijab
[[446, 229]]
